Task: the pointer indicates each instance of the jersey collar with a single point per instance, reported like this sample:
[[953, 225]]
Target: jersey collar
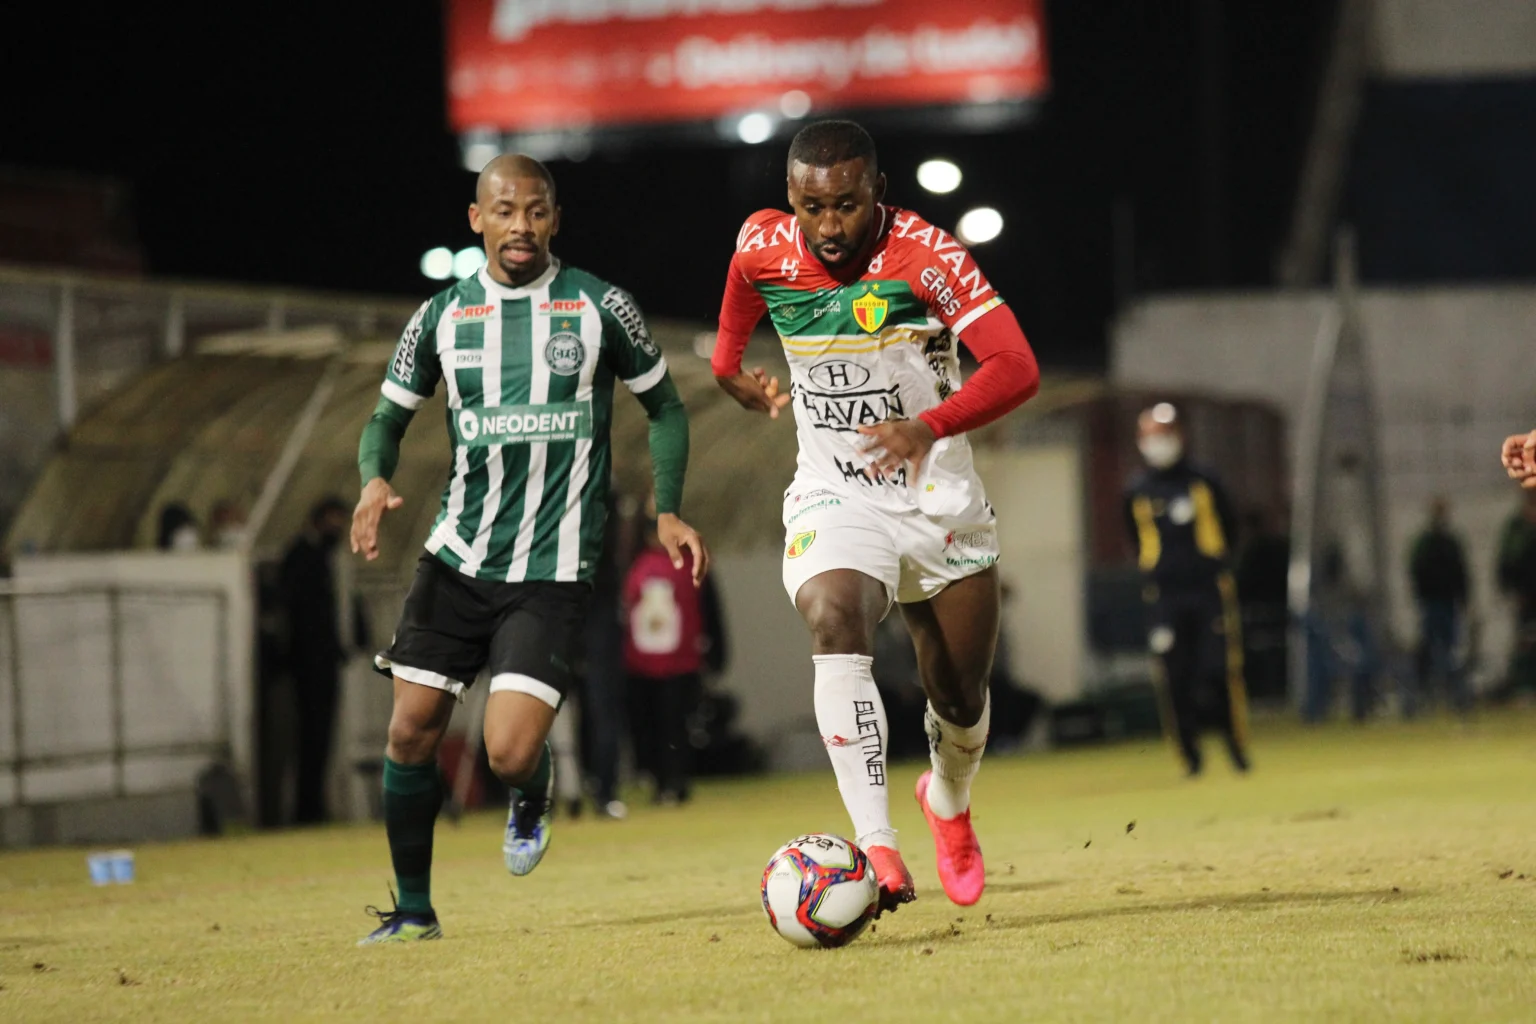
[[495, 287]]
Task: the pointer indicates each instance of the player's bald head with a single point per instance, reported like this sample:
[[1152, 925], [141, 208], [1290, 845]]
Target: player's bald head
[[510, 167]]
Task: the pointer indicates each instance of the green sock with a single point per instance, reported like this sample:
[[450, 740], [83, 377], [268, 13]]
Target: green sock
[[539, 783], [413, 794]]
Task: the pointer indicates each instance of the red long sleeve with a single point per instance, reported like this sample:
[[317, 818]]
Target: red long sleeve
[[1007, 378], [740, 310]]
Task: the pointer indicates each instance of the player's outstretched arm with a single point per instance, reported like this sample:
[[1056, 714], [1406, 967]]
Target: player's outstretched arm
[[669, 467], [1519, 457], [740, 310], [378, 454]]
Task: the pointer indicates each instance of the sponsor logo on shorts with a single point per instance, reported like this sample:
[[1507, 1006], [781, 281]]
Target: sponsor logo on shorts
[[565, 353], [804, 510], [800, 543], [967, 538], [973, 562]]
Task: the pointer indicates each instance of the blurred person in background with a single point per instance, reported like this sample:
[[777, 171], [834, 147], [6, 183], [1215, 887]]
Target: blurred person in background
[[530, 351], [1182, 529], [1263, 572], [178, 530], [603, 694], [226, 523], [1437, 567], [668, 639], [1517, 578], [316, 651]]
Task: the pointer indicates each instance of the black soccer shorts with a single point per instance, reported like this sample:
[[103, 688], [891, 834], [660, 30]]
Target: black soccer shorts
[[453, 626]]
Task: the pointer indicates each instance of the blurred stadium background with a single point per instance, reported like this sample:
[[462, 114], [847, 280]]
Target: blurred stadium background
[[1311, 224]]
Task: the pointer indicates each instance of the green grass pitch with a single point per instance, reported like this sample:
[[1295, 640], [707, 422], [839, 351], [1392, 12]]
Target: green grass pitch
[[1373, 874]]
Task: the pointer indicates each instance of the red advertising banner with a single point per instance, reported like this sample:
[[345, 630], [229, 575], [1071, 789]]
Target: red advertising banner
[[532, 65]]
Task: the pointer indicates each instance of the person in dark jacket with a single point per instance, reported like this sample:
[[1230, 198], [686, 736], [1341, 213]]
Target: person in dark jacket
[[1437, 565], [1183, 531], [1517, 578], [315, 649]]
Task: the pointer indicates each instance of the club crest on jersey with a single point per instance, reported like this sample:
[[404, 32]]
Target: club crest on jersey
[[869, 311], [799, 544], [565, 353]]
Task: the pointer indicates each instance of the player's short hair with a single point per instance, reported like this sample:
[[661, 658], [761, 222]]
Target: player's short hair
[[515, 163], [826, 143]]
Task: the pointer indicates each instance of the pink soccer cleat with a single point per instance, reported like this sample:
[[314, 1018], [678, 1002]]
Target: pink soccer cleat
[[895, 880], [961, 871]]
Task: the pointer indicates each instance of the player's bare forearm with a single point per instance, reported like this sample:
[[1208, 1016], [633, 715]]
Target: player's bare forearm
[[755, 391]]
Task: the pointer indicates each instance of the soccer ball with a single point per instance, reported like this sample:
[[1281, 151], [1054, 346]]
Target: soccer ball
[[819, 890]]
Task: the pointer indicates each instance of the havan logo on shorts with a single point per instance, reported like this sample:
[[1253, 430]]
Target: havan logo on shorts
[[523, 424], [799, 544]]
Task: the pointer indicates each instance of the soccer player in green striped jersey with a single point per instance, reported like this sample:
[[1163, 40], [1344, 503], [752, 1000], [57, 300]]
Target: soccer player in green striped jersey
[[528, 350]]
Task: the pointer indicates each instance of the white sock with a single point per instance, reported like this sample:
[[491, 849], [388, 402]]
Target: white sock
[[956, 755], [851, 718]]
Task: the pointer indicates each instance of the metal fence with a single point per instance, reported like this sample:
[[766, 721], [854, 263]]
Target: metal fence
[[110, 690]]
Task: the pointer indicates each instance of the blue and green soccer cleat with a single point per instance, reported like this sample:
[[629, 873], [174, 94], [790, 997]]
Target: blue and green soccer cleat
[[528, 827], [402, 926]]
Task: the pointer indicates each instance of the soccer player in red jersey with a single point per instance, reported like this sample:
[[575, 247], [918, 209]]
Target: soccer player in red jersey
[[885, 507]]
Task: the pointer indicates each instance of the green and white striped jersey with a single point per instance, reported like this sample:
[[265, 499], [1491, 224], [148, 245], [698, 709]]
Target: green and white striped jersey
[[530, 375]]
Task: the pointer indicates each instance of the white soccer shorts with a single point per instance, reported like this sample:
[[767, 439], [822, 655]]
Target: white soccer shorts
[[915, 555]]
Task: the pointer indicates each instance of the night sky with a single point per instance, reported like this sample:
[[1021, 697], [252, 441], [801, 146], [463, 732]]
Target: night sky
[[291, 143]]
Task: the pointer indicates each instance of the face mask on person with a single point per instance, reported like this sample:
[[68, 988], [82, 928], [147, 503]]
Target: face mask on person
[[185, 538], [1161, 450]]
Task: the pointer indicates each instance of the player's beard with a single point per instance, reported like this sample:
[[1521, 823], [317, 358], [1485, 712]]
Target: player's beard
[[522, 273]]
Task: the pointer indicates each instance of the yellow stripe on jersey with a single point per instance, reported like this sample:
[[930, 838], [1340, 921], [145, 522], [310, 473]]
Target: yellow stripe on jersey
[[848, 344], [1150, 542], [1209, 536]]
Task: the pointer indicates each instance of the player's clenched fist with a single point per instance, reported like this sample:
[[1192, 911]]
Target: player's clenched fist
[[378, 498], [756, 391], [1519, 457]]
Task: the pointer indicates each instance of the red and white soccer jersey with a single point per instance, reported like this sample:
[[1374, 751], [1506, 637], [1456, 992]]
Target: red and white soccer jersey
[[874, 343]]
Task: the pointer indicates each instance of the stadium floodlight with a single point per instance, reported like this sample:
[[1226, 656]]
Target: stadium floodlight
[[755, 127], [938, 176], [979, 225], [437, 263], [468, 261], [795, 104], [478, 154]]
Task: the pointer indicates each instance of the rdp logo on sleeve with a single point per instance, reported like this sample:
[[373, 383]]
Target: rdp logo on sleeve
[[524, 424]]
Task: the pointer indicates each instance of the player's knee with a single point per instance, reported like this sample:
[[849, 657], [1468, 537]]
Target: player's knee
[[836, 628], [410, 742], [511, 761]]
